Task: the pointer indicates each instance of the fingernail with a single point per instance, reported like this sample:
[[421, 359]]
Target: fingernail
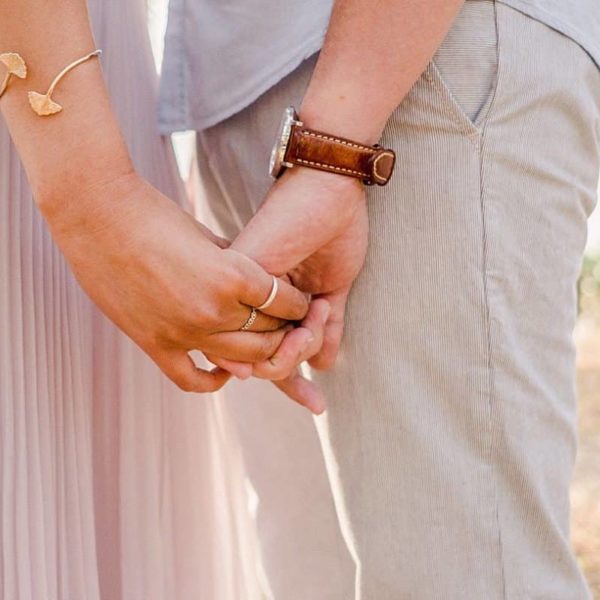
[[317, 404], [325, 314], [242, 372], [306, 344]]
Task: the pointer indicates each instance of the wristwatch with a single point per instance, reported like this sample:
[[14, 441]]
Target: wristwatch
[[298, 145]]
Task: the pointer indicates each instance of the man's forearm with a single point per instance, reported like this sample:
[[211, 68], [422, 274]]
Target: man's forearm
[[374, 52]]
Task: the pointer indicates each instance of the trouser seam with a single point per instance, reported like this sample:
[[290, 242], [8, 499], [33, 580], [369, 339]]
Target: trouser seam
[[490, 384], [488, 317]]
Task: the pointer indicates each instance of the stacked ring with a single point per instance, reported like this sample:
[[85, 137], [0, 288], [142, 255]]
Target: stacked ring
[[272, 295], [254, 312], [250, 321]]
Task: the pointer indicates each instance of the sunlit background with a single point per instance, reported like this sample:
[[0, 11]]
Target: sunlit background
[[586, 484]]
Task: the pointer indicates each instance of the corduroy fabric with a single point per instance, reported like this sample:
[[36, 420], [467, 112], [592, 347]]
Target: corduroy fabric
[[450, 431]]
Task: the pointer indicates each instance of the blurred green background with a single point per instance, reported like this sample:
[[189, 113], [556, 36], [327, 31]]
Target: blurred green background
[[585, 492]]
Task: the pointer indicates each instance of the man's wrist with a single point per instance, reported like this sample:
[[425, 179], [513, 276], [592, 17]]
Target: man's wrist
[[355, 127], [353, 115], [331, 182]]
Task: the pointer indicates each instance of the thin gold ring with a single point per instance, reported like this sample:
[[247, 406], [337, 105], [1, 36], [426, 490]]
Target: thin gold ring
[[272, 295], [250, 320]]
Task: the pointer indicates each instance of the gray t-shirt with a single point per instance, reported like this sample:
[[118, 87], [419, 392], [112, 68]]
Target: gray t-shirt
[[221, 55]]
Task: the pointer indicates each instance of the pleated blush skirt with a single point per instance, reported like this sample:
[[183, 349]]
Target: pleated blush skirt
[[113, 484]]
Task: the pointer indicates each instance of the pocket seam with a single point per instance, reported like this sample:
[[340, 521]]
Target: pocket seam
[[452, 108]]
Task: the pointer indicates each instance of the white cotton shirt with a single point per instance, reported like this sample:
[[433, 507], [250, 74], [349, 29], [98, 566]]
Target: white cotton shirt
[[221, 55]]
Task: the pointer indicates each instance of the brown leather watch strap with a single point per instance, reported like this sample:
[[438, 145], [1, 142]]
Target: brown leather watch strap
[[317, 150]]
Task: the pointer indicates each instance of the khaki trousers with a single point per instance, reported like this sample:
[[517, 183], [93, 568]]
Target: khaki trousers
[[449, 438]]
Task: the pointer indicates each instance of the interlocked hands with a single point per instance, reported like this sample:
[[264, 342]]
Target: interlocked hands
[[173, 287]]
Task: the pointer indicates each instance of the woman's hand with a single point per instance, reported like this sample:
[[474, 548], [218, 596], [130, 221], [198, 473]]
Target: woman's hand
[[154, 272]]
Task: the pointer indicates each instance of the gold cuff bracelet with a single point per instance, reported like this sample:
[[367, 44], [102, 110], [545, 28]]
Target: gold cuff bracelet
[[42, 104]]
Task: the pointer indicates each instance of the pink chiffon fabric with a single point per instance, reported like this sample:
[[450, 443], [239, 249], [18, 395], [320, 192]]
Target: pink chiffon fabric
[[113, 483]]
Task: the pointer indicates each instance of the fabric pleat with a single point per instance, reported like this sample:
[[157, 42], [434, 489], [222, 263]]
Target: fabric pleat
[[114, 485]]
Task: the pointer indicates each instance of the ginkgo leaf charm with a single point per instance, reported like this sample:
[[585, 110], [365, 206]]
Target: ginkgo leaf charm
[[42, 104], [15, 65]]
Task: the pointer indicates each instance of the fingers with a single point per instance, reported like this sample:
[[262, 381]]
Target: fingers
[[179, 367], [245, 346], [334, 329], [298, 345], [240, 370], [302, 391], [262, 322], [289, 303]]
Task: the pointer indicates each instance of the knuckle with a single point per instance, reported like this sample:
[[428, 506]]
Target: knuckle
[[219, 318], [211, 387], [173, 335], [208, 317], [258, 354], [280, 373], [259, 370], [272, 323], [267, 347], [184, 383], [161, 336], [269, 370], [234, 271], [281, 367], [299, 306]]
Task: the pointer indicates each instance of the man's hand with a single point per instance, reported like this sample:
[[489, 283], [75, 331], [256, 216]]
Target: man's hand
[[312, 226]]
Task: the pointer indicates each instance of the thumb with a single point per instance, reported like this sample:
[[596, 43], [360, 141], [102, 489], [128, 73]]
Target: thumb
[[334, 330], [304, 392]]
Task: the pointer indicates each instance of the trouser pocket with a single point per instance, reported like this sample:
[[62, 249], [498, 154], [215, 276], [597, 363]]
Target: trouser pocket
[[465, 66]]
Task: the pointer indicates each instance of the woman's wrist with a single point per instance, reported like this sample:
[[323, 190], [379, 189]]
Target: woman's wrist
[[72, 206], [67, 153], [57, 187]]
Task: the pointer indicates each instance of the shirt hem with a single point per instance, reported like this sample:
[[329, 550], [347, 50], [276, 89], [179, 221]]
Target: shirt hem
[[245, 98], [186, 121]]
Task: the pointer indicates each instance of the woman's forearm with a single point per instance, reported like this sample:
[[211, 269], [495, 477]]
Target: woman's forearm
[[81, 146], [144, 261], [374, 52]]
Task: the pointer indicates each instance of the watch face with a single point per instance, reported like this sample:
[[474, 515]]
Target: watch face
[[278, 163]]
